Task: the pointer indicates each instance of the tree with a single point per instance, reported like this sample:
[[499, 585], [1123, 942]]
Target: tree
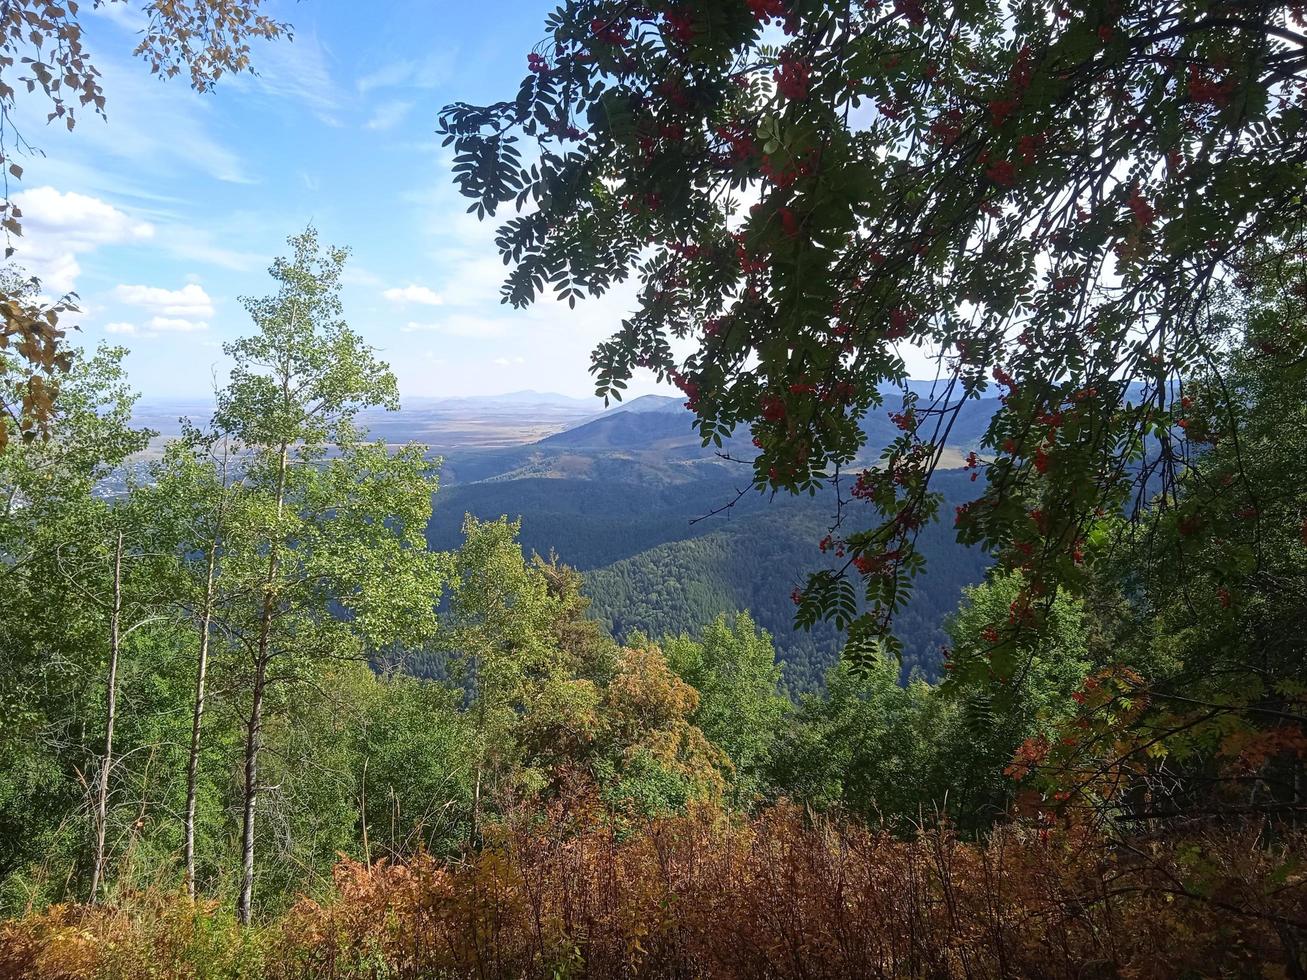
[[1044, 198], [899, 754], [865, 745], [649, 756], [331, 546], [31, 356], [194, 492], [1198, 714], [734, 670], [205, 38], [417, 767], [499, 628], [72, 592], [994, 706]]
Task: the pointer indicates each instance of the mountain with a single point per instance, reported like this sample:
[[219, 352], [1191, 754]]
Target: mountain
[[654, 561], [651, 403], [626, 496], [639, 430], [592, 522], [754, 562]]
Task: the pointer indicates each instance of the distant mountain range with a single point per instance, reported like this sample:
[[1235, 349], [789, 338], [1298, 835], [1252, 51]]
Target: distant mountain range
[[624, 495], [512, 399]]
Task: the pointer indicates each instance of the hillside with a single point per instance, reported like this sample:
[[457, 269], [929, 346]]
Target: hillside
[[649, 568], [591, 521], [752, 564], [624, 497]]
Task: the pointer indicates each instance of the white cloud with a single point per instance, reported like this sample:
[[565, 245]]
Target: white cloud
[[414, 294], [388, 115], [58, 226], [298, 70], [168, 324], [189, 302], [409, 73], [196, 244], [508, 361], [154, 130], [156, 326]]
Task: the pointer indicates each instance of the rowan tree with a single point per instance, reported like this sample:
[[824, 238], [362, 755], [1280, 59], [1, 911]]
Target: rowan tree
[[1043, 197], [1199, 712]]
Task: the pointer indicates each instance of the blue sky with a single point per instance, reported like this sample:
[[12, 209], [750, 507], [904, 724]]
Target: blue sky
[[163, 216]]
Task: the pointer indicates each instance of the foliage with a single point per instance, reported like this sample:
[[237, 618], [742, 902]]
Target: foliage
[[741, 709], [330, 558], [1109, 786], [1199, 711], [755, 562], [699, 895], [206, 38], [53, 641], [901, 755], [651, 757], [30, 355], [1046, 197]]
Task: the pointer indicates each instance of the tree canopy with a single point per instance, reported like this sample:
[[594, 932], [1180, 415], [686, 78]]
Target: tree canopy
[[1049, 199]]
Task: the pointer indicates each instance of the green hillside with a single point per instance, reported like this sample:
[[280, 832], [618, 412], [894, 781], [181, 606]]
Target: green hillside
[[649, 568], [754, 564], [590, 522]]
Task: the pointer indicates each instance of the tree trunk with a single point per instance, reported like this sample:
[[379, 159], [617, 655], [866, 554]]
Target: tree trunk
[[197, 716], [253, 739], [476, 809], [363, 813], [102, 791], [254, 732]]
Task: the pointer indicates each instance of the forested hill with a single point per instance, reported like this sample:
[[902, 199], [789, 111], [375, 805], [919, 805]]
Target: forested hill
[[651, 566], [754, 564], [624, 496]]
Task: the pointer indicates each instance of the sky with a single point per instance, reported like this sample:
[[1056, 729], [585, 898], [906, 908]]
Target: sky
[[163, 216]]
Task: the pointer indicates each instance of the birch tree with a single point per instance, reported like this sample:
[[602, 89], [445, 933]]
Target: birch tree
[[332, 537]]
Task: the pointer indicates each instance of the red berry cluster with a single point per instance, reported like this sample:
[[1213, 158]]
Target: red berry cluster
[[1204, 90], [611, 31], [793, 78], [768, 10], [784, 175], [973, 464], [679, 26], [690, 388], [1144, 212], [900, 323], [946, 128], [739, 141]]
